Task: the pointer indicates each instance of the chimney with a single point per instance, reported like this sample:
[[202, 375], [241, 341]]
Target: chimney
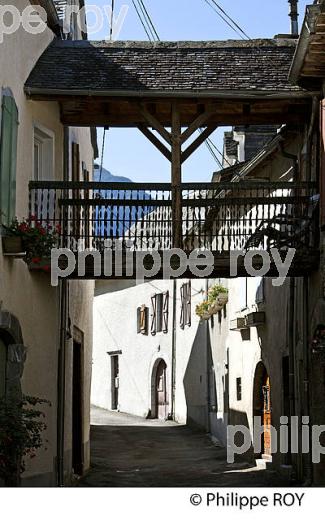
[[294, 17]]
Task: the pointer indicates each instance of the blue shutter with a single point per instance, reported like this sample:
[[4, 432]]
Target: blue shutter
[[8, 159]]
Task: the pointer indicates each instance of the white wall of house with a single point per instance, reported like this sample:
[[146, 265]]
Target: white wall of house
[[115, 329]]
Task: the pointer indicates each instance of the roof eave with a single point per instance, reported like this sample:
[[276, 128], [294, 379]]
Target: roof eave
[[53, 20], [216, 94], [308, 29]]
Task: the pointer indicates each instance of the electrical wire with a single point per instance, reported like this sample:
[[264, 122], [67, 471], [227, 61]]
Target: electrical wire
[[240, 33], [145, 10], [231, 19], [142, 22], [112, 20]]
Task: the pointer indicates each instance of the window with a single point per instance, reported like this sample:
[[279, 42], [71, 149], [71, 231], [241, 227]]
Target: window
[[160, 312], [8, 158], [239, 388], [43, 154], [143, 320], [185, 305]]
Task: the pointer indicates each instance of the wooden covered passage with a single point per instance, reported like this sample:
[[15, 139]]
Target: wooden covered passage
[[169, 90]]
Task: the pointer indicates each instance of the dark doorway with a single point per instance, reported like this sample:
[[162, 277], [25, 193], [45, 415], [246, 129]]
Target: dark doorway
[[115, 370], [77, 435], [161, 390], [262, 406]]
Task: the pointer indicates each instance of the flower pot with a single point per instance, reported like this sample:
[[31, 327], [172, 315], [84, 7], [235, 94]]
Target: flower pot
[[216, 307], [40, 264], [206, 316], [219, 303], [12, 245]]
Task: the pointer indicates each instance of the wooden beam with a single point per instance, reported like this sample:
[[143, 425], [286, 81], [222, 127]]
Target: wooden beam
[[195, 145], [155, 141], [199, 121], [152, 121], [177, 177]]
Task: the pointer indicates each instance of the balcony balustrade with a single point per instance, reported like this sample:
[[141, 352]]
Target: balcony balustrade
[[221, 217]]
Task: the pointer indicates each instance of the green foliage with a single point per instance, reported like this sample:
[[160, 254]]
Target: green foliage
[[21, 428], [202, 308], [215, 291]]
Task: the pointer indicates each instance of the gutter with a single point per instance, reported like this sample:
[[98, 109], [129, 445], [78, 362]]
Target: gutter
[[220, 94]]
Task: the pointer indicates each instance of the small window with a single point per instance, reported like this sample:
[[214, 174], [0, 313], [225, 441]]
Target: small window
[[160, 313], [239, 388], [8, 158], [186, 303]]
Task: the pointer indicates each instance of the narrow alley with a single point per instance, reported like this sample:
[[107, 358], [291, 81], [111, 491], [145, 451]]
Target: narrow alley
[[128, 451]]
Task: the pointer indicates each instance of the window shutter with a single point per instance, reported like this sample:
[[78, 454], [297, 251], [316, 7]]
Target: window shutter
[[8, 158], [185, 305], [154, 316], [165, 312], [143, 320], [183, 308], [188, 319], [76, 213]]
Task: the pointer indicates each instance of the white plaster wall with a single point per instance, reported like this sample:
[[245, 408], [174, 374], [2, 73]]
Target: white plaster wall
[[115, 328]]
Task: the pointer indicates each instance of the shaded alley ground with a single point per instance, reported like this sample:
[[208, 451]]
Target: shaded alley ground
[[128, 451]]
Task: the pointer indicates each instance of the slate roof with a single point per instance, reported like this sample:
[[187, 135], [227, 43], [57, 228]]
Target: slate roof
[[255, 66]]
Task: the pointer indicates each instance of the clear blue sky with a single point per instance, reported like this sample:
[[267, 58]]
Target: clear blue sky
[[128, 153]]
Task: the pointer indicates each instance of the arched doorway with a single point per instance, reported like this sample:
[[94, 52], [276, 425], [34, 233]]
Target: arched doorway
[[262, 407], [159, 406]]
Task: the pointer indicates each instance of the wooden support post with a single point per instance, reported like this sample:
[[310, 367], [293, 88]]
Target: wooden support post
[[176, 177]]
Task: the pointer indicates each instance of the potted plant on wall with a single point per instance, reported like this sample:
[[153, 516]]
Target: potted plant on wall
[[12, 243], [218, 298], [37, 240]]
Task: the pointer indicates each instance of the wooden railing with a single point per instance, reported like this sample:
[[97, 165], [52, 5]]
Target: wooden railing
[[221, 217]]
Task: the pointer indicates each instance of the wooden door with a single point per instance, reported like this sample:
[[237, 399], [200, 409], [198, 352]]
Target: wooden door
[[161, 391], [267, 417]]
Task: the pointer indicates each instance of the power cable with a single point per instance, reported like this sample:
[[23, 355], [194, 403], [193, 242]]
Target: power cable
[[240, 34], [231, 19], [145, 10], [112, 21], [142, 22]]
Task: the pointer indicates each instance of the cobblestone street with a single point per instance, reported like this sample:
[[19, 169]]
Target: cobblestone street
[[127, 451]]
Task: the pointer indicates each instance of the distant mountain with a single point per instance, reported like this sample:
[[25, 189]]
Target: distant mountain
[[113, 221], [107, 176]]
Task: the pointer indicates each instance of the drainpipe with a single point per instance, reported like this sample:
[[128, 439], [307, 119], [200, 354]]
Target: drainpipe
[[306, 407], [64, 294], [172, 410], [208, 369], [292, 359]]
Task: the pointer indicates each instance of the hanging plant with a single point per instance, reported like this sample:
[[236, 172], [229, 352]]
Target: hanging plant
[[203, 310], [217, 298]]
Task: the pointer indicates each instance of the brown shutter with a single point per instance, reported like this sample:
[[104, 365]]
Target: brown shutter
[[154, 316], [165, 312], [143, 320]]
